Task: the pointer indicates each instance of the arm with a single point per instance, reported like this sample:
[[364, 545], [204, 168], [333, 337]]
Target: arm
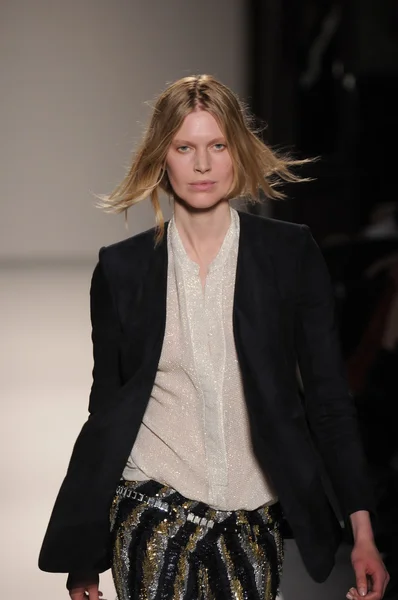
[[329, 406], [332, 416], [105, 335], [370, 573], [106, 380]]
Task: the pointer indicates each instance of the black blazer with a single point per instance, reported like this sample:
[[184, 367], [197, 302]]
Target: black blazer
[[283, 312]]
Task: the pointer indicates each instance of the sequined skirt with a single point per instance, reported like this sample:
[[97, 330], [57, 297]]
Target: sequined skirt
[[161, 555]]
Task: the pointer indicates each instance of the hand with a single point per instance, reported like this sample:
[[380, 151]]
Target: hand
[[89, 592], [370, 573]]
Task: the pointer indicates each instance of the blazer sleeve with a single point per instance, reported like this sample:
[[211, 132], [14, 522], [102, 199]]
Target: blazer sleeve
[[329, 405], [105, 335]]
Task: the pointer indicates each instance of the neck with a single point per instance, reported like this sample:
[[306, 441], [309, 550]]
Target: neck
[[202, 232]]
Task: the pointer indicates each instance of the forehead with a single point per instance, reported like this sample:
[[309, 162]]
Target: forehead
[[199, 124]]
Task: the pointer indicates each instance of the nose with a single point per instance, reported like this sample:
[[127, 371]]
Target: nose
[[202, 162]]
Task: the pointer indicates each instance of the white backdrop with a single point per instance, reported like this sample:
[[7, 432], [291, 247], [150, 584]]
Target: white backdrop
[[76, 77]]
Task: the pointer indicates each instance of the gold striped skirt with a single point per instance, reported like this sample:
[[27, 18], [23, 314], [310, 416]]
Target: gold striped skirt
[[167, 547]]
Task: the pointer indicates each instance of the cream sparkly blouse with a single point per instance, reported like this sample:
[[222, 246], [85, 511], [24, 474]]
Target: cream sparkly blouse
[[194, 434]]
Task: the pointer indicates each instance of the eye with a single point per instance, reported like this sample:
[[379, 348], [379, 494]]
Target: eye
[[219, 146], [183, 149]]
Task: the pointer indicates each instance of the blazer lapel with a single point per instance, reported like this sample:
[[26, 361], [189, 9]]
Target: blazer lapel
[[258, 314], [145, 316], [154, 302]]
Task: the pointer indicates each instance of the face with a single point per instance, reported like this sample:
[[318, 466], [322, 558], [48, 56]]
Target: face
[[198, 163]]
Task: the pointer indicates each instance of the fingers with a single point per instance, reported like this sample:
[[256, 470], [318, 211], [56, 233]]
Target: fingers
[[387, 579], [77, 594], [353, 595], [377, 582], [375, 586], [90, 592], [93, 592]]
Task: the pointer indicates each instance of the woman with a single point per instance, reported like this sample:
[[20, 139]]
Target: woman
[[198, 444]]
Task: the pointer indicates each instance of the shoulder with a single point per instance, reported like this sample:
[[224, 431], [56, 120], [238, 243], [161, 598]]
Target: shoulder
[[274, 233], [127, 260], [142, 243]]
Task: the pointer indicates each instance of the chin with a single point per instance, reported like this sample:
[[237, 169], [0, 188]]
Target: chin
[[200, 202]]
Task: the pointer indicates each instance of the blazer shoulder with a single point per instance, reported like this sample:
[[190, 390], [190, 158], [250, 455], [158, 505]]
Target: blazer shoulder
[[128, 259], [141, 242], [276, 233]]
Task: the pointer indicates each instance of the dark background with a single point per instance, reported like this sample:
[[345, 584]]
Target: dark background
[[324, 77], [324, 81]]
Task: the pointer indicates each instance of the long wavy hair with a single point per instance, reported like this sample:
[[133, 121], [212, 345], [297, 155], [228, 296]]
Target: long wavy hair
[[256, 168]]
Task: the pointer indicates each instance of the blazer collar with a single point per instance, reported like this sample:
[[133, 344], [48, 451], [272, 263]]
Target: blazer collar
[[256, 298], [256, 284]]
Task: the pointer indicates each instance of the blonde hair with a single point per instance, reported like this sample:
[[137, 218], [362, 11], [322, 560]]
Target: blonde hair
[[256, 167]]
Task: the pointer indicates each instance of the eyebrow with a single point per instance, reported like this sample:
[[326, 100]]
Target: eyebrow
[[187, 143]]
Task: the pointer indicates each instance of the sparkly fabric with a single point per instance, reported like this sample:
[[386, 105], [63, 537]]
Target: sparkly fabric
[[160, 555], [198, 391]]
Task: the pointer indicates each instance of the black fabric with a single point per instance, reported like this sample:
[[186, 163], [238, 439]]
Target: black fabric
[[283, 311]]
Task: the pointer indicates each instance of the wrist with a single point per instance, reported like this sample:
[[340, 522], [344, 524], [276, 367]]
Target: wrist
[[361, 526], [78, 579]]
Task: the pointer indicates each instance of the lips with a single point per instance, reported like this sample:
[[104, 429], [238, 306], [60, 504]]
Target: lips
[[202, 185]]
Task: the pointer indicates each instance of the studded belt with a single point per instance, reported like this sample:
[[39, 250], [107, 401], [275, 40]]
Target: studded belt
[[155, 502], [125, 492]]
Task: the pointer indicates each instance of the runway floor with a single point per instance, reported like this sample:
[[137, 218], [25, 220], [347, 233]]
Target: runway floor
[[46, 363]]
